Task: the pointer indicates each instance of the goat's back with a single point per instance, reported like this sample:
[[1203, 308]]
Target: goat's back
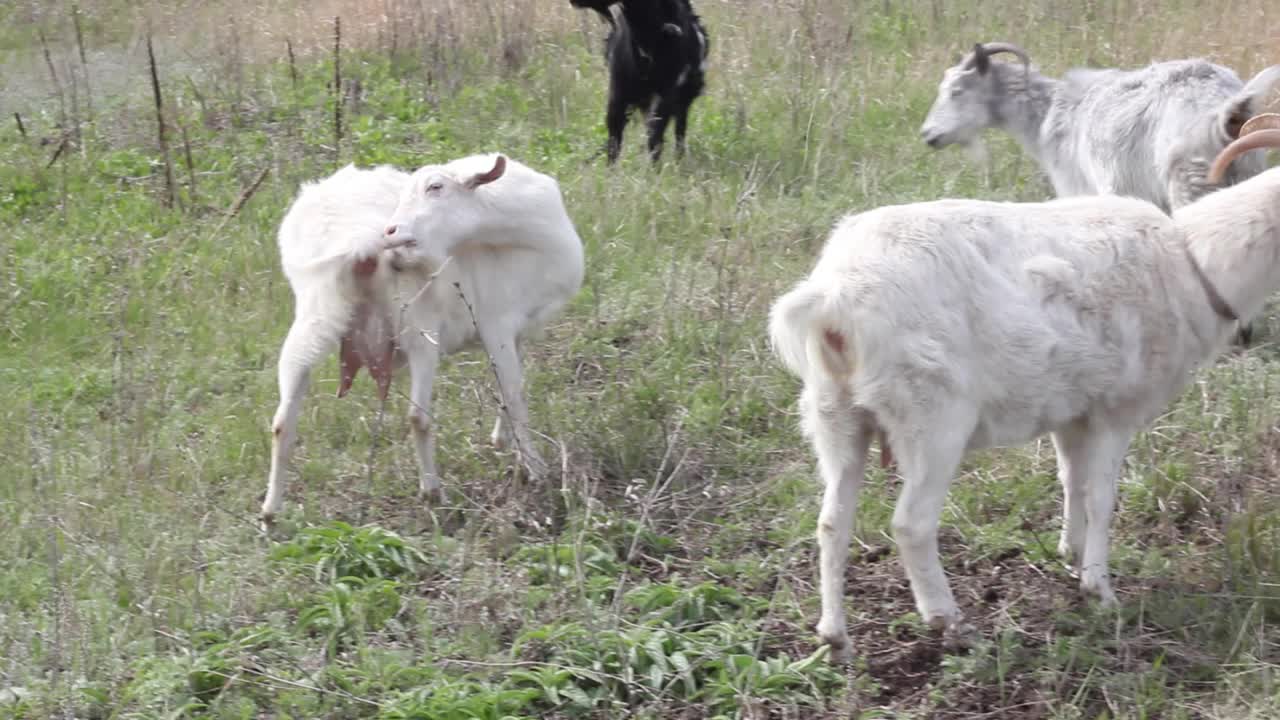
[[1127, 129], [1034, 313], [336, 216]]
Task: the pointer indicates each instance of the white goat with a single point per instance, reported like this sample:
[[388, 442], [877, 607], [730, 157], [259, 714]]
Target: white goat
[[1149, 133], [401, 269], [956, 325]]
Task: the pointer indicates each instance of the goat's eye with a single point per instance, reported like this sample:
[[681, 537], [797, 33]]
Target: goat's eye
[[435, 187]]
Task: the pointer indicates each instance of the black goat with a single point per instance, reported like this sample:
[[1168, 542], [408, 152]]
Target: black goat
[[656, 50]]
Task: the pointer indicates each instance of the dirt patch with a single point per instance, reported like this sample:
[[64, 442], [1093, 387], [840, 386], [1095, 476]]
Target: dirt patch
[[907, 661]]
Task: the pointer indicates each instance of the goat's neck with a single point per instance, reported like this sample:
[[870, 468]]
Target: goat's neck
[[1020, 109], [1234, 234]]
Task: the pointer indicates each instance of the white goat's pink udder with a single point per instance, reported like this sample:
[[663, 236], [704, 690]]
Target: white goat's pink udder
[[367, 343]]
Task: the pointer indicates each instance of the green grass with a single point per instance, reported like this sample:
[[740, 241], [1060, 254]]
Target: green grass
[[668, 570]]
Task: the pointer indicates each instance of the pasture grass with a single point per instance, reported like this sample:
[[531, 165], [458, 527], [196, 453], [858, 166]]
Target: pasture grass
[[667, 569]]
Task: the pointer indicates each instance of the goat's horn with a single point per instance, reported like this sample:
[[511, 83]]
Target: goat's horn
[[993, 48], [1261, 121], [1262, 137]]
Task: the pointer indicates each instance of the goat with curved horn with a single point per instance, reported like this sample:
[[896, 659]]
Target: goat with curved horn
[[1262, 131], [982, 51]]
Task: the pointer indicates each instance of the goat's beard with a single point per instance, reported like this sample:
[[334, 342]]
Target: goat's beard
[[402, 260], [976, 149]]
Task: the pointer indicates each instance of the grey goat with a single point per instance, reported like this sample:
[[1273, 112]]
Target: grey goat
[[1149, 133]]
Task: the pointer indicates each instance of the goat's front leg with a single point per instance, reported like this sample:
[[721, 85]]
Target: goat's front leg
[[1092, 455], [841, 436], [504, 353], [501, 438], [424, 360], [929, 461], [305, 344]]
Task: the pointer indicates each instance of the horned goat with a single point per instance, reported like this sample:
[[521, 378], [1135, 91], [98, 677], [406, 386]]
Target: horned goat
[[1149, 133], [955, 325], [657, 54], [396, 268]]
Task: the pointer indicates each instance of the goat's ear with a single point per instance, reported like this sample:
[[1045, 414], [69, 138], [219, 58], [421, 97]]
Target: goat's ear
[[499, 167], [1234, 122], [980, 59]]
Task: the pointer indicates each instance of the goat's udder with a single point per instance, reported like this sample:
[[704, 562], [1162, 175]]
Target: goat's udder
[[358, 350]]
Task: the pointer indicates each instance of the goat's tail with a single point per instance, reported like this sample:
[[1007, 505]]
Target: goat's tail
[[806, 328], [1237, 110]]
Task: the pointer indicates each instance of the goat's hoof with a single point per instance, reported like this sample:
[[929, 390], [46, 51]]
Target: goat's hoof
[[534, 468], [1070, 556], [1244, 334], [272, 528], [1099, 588], [1108, 601], [841, 649], [942, 620], [431, 497], [959, 636]]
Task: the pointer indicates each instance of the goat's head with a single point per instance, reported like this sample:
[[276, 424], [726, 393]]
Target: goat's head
[[438, 209], [600, 6], [1261, 131], [967, 97], [669, 29]]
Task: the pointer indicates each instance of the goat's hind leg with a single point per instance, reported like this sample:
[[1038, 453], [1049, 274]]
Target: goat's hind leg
[[615, 122], [682, 124], [658, 119], [304, 346], [840, 434], [929, 461], [1071, 542], [689, 92]]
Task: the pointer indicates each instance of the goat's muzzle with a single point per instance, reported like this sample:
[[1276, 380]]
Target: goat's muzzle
[[393, 237]]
